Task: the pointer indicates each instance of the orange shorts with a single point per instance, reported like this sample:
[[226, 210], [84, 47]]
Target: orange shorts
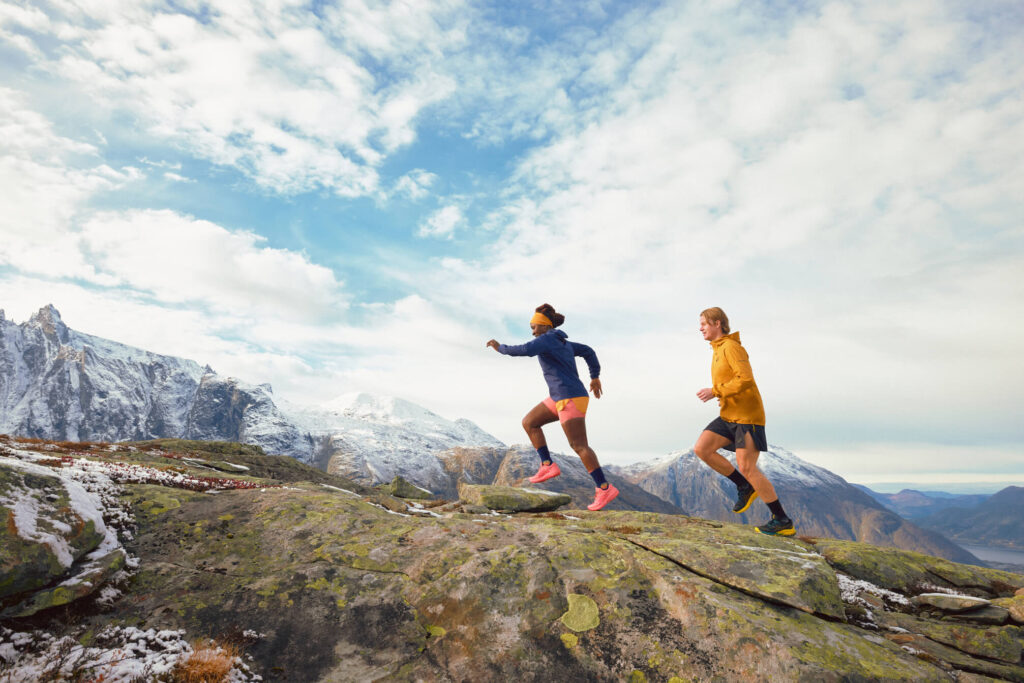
[[569, 408]]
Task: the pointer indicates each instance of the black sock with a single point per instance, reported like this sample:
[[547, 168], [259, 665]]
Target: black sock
[[545, 456], [738, 479], [776, 507], [599, 479]]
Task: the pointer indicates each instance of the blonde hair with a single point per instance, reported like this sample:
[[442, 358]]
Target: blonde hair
[[714, 314]]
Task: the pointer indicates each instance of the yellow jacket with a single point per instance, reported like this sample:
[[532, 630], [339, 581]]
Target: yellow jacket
[[732, 381]]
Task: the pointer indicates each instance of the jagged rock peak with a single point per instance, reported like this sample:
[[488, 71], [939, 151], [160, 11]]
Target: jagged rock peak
[[49, 320]]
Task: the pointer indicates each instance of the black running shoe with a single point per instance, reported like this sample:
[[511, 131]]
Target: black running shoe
[[777, 526], [745, 495]]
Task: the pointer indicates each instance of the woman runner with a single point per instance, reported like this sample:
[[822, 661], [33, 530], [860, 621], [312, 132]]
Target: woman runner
[[567, 400], [740, 426]]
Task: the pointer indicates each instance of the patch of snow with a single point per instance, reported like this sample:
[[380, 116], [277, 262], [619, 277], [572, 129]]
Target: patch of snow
[[849, 589], [117, 655]]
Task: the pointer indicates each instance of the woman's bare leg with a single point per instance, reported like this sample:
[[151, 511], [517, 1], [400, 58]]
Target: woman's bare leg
[[539, 416], [576, 431]]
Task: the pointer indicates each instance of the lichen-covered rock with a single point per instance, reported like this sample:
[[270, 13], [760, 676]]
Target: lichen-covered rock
[[1014, 605], [330, 585], [47, 525], [776, 569], [926, 648], [84, 581], [400, 488], [949, 603], [989, 614], [1003, 644], [909, 572], [512, 499]]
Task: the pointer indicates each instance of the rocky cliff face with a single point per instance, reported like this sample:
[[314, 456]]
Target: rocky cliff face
[[322, 580], [820, 502]]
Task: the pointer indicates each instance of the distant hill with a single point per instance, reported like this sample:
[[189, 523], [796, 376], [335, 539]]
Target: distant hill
[[998, 521], [911, 504], [820, 502]]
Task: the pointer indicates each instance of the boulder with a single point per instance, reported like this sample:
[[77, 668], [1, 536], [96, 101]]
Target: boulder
[[949, 603], [511, 499], [1014, 605], [48, 524], [82, 582], [400, 488]]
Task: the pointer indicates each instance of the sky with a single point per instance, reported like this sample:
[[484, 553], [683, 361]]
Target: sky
[[354, 196]]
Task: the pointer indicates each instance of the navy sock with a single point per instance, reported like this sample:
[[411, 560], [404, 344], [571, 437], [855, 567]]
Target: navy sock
[[599, 479], [738, 479], [776, 507], [545, 456]]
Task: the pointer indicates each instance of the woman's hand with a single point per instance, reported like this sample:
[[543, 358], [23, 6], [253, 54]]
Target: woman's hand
[[494, 344], [595, 388], [706, 394]]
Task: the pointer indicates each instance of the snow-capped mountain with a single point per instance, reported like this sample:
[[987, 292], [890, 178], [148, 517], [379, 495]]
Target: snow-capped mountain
[[373, 438], [57, 383], [820, 502]]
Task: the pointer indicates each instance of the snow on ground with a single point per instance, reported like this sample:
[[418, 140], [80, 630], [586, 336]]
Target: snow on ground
[[116, 655]]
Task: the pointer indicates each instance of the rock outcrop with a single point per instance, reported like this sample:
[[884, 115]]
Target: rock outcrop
[[331, 581]]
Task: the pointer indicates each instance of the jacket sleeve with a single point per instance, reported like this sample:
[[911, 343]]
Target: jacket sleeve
[[590, 356], [530, 348], [742, 374]]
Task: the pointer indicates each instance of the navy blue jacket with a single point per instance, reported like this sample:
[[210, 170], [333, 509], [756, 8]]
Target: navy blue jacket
[[557, 356]]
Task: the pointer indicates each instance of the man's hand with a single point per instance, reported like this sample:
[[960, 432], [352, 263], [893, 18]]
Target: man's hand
[[595, 388], [706, 394], [494, 344]]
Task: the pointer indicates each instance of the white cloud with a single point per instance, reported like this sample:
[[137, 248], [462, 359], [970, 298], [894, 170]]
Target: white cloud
[[442, 223], [179, 259], [415, 184], [44, 180], [277, 92]]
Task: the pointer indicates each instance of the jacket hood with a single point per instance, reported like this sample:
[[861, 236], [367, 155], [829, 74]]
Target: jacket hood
[[735, 336], [561, 334]]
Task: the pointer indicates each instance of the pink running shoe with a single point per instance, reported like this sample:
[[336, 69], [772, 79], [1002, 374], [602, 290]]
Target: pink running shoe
[[602, 497], [545, 472]]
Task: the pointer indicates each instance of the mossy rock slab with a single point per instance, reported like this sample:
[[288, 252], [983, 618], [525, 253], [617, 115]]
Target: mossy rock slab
[[1015, 605], [911, 573], [949, 603], [83, 581], [42, 532], [512, 499], [774, 569], [926, 648], [1002, 643]]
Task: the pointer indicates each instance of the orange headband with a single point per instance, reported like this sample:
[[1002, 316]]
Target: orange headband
[[540, 319]]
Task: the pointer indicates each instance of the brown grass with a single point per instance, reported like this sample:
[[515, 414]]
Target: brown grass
[[209, 662]]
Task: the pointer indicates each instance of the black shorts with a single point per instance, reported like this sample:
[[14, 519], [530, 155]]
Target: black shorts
[[734, 431]]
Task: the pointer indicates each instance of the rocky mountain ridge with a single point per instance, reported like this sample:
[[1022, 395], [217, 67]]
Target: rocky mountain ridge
[[913, 505], [997, 521], [56, 383], [821, 502], [309, 577]]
